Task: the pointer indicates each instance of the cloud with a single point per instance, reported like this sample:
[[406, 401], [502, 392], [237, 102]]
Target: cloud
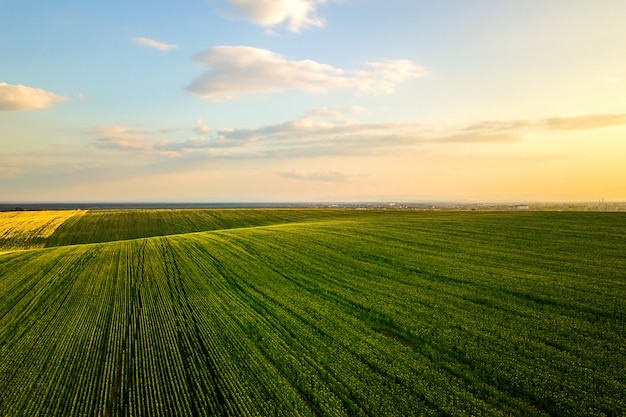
[[385, 75], [122, 138], [320, 132], [488, 131], [338, 113], [591, 121], [20, 97], [151, 43], [482, 137], [179, 147], [201, 128], [332, 132], [326, 176], [297, 14], [309, 138], [239, 71], [497, 125]]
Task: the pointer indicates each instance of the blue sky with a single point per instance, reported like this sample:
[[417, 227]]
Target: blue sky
[[312, 100]]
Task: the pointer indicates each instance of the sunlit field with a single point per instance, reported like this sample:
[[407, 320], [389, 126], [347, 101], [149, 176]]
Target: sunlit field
[[29, 229]]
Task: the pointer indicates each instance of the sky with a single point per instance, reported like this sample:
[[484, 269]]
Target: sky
[[312, 100]]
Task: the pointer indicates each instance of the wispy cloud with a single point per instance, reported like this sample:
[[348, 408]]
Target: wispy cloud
[[20, 97], [323, 176], [307, 138], [489, 131], [151, 43], [125, 138], [336, 113], [591, 121], [497, 125], [319, 132], [178, 148], [122, 138], [296, 14], [324, 132], [240, 71]]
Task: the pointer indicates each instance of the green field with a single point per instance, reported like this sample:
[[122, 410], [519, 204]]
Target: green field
[[317, 313]]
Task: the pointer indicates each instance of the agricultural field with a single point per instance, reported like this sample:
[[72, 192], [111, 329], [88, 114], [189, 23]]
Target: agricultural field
[[30, 229], [317, 313]]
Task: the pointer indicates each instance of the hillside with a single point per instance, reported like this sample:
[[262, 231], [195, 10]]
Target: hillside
[[112, 225], [31, 229], [310, 313]]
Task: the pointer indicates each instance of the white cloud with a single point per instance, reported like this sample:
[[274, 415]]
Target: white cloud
[[238, 71], [151, 43], [20, 97], [297, 14]]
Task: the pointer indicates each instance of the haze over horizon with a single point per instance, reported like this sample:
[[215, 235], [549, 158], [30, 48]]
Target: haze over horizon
[[312, 100]]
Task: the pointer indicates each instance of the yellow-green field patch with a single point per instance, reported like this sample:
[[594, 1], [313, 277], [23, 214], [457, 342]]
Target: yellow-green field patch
[[30, 229]]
